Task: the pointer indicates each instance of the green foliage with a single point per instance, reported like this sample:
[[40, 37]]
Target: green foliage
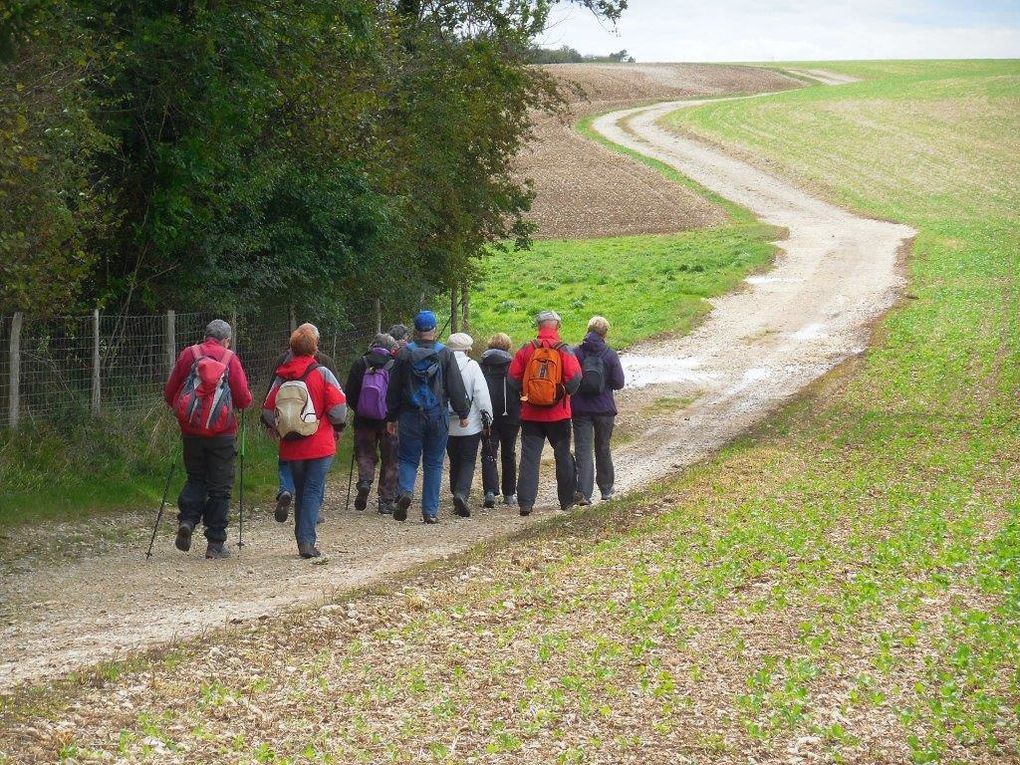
[[312, 152]]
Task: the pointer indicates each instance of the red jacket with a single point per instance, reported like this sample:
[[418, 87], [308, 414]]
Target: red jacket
[[571, 379], [328, 399], [236, 379]]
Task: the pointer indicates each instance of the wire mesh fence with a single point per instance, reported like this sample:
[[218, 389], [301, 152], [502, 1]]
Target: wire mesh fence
[[52, 369]]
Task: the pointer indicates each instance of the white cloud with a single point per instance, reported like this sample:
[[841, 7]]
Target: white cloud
[[747, 30]]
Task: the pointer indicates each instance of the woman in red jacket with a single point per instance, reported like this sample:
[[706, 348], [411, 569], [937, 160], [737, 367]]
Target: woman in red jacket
[[307, 410]]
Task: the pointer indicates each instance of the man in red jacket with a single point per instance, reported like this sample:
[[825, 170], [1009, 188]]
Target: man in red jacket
[[546, 420], [205, 386]]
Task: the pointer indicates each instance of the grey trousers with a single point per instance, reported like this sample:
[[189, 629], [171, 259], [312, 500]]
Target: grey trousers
[[533, 438], [600, 431]]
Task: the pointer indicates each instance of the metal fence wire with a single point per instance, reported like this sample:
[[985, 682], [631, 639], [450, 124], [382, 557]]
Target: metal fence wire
[[53, 369]]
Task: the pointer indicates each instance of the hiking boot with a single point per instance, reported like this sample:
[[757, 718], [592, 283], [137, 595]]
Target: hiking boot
[[460, 506], [580, 502], [361, 501], [525, 510], [490, 500], [385, 507], [510, 500], [428, 519], [308, 551], [183, 541], [400, 511], [607, 495], [568, 508], [217, 550], [283, 500]]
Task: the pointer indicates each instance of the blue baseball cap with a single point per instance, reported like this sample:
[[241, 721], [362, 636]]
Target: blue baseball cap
[[425, 321]]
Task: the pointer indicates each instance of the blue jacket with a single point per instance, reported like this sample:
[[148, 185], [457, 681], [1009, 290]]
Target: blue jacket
[[603, 403]]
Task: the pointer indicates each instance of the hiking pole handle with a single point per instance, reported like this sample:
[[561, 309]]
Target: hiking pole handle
[[162, 506]]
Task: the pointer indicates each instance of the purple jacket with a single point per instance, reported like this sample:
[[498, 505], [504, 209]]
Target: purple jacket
[[603, 403]]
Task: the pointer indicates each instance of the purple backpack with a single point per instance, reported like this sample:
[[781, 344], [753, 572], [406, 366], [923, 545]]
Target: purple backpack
[[372, 399]]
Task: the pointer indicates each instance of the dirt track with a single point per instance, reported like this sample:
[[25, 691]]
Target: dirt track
[[757, 348]]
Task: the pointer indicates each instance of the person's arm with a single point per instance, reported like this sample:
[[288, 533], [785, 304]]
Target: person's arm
[[354, 380], [482, 398], [334, 400], [395, 391], [269, 405], [178, 376], [571, 370], [616, 377], [515, 374], [455, 389], [238, 383]]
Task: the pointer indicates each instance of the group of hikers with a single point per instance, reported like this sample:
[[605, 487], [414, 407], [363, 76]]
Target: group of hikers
[[415, 401]]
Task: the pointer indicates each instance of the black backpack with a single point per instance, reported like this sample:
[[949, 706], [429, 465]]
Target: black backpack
[[593, 374]]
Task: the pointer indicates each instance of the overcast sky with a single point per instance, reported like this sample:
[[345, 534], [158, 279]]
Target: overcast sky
[[756, 30]]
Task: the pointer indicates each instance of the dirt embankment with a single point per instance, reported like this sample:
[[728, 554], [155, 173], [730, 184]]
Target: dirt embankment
[[586, 191]]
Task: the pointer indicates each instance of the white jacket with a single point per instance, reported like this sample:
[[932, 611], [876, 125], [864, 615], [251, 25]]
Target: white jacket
[[477, 393]]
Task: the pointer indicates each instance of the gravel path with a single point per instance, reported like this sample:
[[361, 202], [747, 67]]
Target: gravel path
[[756, 349]]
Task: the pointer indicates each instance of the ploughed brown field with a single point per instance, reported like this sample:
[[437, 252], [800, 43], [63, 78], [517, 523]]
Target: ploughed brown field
[[586, 191]]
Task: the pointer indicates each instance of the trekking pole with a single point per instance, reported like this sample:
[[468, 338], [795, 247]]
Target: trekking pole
[[162, 506], [240, 491]]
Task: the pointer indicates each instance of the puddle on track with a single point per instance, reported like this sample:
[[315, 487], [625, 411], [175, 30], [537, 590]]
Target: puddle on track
[[642, 371]]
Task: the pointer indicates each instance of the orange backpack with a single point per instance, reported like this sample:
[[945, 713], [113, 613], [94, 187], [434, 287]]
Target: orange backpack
[[543, 378]]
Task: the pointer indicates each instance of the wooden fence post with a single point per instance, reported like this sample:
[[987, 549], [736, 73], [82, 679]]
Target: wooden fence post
[[96, 364], [13, 399], [293, 320], [378, 316], [170, 341]]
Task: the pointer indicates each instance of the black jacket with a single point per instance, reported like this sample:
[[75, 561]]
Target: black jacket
[[376, 357], [398, 397], [506, 401]]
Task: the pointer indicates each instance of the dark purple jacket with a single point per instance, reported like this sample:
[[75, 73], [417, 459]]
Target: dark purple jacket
[[603, 403]]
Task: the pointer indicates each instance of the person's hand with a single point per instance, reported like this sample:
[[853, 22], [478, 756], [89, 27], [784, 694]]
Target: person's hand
[[337, 433], [463, 422], [391, 428]]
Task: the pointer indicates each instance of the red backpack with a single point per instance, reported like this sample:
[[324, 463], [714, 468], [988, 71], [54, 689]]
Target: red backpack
[[205, 407]]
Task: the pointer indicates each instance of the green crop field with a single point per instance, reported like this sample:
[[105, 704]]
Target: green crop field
[[644, 285], [842, 583]]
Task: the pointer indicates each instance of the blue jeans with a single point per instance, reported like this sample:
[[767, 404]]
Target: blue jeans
[[309, 490], [422, 440], [286, 478]]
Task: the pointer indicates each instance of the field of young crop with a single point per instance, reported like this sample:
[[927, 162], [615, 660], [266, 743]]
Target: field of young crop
[[647, 284], [841, 585]]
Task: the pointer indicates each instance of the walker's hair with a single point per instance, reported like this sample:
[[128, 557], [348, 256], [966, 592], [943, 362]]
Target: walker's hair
[[500, 340], [312, 327], [599, 325], [384, 340], [303, 341]]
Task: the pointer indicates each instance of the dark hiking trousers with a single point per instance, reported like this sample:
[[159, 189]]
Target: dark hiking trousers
[[593, 434], [503, 444], [373, 444], [209, 463], [533, 438], [463, 454]]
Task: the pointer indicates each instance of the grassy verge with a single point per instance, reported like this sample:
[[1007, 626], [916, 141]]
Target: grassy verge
[[75, 471]]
